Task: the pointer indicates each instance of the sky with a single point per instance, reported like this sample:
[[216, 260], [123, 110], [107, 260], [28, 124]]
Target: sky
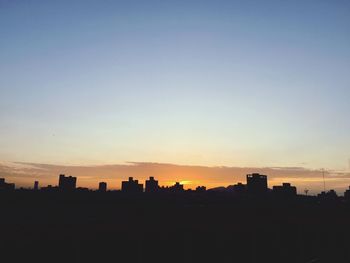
[[191, 83]]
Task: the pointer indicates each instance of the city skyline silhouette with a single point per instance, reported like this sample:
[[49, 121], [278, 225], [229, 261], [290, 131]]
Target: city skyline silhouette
[[145, 222], [23, 174], [187, 131], [256, 184]]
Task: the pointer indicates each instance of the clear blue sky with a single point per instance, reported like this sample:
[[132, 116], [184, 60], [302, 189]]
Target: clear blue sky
[[239, 83]]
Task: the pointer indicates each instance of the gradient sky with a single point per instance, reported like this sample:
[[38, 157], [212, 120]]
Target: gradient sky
[[236, 83]]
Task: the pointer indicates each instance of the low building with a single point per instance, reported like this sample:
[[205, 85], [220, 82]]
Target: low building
[[237, 188], [331, 195], [177, 187], [201, 189], [6, 186], [285, 190]]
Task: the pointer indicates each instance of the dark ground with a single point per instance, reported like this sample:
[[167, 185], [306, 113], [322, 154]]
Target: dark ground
[[187, 227]]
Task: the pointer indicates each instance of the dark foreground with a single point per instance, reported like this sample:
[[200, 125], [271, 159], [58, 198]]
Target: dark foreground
[[208, 227]]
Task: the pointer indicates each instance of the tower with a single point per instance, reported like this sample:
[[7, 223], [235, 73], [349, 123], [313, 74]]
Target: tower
[[36, 185], [102, 186]]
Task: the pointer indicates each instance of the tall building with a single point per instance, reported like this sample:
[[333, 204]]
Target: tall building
[[151, 185], [132, 186], [6, 186], [347, 194], [67, 182], [36, 185], [102, 186], [256, 183]]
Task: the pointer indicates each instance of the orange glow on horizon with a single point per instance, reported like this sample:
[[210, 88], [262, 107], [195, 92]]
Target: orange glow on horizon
[[168, 174]]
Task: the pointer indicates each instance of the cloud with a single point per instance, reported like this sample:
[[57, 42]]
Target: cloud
[[24, 174]]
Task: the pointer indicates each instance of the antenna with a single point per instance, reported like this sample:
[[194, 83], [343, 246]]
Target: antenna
[[324, 181]]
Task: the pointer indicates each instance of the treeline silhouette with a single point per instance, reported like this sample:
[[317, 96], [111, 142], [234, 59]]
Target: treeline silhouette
[[240, 223]]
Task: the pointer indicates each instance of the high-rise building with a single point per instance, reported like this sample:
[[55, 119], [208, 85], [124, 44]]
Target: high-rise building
[[256, 183], [132, 186], [36, 185], [67, 182], [102, 186], [151, 185], [347, 194]]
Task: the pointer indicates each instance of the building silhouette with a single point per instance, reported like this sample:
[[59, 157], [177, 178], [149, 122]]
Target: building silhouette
[[67, 182], [331, 195], [49, 188], [6, 186], [102, 186], [256, 183], [201, 189], [132, 186], [36, 185], [151, 185], [237, 188], [285, 190], [347, 194], [83, 189], [177, 187]]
